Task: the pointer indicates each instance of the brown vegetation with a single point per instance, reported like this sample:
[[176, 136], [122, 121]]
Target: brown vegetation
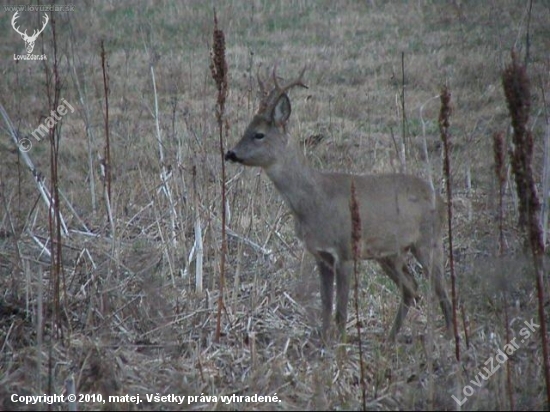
[[123, 311]]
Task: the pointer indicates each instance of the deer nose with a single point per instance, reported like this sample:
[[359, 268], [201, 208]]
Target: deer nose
[[230, 155]]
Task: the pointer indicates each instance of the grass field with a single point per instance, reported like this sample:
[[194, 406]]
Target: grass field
[[123, 312]]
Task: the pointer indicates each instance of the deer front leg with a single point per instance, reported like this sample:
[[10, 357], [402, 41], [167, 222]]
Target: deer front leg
[[343, 272], [326, 273]]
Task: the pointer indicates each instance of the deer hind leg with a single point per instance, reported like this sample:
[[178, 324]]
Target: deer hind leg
[[436, 266], [396, 269], [325, 263]]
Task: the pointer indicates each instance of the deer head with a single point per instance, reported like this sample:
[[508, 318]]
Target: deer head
[[29, 40], [265, 139]]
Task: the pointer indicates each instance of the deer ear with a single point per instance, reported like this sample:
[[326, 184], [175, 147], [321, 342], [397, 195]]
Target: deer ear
[[282, 110]]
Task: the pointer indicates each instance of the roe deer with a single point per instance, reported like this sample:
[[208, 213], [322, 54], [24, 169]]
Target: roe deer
[[396, 212]]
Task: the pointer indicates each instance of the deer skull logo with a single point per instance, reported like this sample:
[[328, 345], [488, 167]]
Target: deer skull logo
[[29, 40]]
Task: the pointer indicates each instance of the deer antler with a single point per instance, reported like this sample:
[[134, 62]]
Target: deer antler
[[15, 16], [261, 84], [269, 101], [43, 26], [35, 33]]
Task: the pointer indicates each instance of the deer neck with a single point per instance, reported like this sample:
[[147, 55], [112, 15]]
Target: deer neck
[[296, 181]]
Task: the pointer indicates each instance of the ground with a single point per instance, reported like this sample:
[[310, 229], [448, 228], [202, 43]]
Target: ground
[[126, 311]]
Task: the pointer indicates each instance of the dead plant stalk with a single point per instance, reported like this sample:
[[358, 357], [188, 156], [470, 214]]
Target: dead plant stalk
[[516, 89], [218, 68]]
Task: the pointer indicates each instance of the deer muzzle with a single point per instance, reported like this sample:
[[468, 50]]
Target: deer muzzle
[[230, 155]]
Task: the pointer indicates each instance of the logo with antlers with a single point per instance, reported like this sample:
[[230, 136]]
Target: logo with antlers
[[29, 40]]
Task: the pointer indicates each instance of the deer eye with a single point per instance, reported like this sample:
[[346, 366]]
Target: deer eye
[[259, 136]]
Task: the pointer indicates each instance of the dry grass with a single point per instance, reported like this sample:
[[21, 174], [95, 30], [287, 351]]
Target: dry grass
[[132, 321]]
